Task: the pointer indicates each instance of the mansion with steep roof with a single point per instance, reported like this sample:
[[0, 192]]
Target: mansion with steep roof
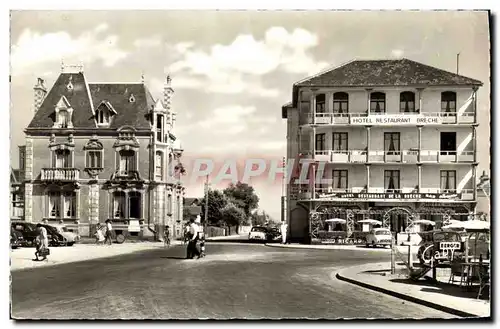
[[99, 151]]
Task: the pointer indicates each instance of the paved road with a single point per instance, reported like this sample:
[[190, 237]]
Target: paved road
[[234, 281]]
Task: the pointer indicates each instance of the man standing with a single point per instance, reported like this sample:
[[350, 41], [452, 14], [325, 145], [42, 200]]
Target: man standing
[[283, 230], [192, 249], [109, 229]]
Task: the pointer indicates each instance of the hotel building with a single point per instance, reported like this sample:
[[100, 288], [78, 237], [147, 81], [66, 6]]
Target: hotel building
[[397, 140]]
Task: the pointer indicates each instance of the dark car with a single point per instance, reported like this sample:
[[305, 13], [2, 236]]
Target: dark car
[[28, 231], [55, 238], [16, 239]]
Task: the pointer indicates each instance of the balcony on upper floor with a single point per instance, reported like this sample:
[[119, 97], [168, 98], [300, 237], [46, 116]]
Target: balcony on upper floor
[[381, 194], [60, 174], [385, 119], [409, 156]]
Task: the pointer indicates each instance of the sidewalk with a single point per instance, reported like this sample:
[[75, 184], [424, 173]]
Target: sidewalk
[[229, 237], [402, 249], [23, 258], [441, 295]]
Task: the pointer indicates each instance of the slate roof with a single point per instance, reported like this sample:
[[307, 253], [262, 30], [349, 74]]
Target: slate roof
[[85, 97], [379, 73]]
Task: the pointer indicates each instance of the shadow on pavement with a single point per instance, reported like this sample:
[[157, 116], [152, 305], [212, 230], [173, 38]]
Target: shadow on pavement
[[443, 288], [236, 241], [173, 257]]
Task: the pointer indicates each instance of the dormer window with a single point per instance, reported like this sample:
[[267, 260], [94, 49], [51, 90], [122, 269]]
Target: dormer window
[[104, 113], [63, 114]]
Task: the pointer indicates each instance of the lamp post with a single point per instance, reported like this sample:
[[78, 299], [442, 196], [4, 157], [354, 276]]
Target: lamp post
[[206, 207]]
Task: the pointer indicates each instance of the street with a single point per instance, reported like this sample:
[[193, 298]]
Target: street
[[233, 281]]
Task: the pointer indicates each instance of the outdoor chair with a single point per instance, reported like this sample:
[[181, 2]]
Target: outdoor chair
[[484, 279], [457, 269]]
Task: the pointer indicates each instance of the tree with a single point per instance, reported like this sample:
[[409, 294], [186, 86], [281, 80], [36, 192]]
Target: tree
[[232, 215], [259, 219], [243, 196], [216, 202]]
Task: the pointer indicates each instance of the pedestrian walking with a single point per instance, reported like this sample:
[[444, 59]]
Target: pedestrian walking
[[283, 229], [109, 229], [99, 235], [166, 236], [201, 237], [41, 243], [192, 249]]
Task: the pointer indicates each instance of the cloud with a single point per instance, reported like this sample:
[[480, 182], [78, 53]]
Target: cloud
[[398, 53], [153, 41], [238, 66], [33, 48]]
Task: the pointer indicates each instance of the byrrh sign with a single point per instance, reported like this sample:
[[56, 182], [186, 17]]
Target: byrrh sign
[[395, 120]]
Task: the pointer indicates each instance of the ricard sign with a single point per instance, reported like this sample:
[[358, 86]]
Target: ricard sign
[[395, 120]]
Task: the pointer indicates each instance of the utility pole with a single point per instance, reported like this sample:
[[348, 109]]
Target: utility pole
[[206, 206], [458, 56]]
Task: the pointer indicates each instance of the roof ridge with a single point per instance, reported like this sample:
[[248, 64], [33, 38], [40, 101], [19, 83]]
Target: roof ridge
[[331, 68]]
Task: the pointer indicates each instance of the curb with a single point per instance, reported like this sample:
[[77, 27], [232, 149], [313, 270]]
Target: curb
[[408, 298], [332, 247]]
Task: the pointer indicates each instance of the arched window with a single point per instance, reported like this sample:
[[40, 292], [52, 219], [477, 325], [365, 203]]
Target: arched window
[[102, 115], [63, 119], [340, 102], [377, 102], [160, 135], [320, 103], [407, 101], [448, 102], [134, 205], [159, 165], [119, 204]]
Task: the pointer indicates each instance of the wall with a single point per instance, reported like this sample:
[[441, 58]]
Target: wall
[[431, 99]]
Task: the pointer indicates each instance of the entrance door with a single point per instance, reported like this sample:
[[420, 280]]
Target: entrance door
[[448, 143]]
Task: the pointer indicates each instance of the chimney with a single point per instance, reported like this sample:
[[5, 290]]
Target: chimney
[[40, 93]]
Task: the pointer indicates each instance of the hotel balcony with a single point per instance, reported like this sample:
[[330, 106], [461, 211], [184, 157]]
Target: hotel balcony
[[379, 194], [410, 156], [60, 174], [424, 118]]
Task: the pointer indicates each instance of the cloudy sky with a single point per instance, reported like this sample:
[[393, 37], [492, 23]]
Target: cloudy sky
[[232, 71]]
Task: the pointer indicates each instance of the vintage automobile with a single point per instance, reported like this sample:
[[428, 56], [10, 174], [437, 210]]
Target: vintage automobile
[[16, 239], [379, 237], [28, 231], [64, 236], [258, 233]]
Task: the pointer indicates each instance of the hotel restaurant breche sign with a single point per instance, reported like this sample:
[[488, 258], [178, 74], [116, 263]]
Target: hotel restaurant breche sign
[[395, 120]]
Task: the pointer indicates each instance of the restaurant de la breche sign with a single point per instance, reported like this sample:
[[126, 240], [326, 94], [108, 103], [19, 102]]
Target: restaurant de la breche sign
[[395, 120]]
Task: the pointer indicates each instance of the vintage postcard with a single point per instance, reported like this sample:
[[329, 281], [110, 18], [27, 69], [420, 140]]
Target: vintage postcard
[[251, 165]]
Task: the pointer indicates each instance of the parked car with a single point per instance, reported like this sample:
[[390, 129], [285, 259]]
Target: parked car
[[56, 238], [16, 239], [273, 234], [379, 237], [258, 233], [28, 231], [70, 238]]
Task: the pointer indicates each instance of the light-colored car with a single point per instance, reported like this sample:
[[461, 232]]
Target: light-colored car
[[379, 237], [69, 237], [258, 233]]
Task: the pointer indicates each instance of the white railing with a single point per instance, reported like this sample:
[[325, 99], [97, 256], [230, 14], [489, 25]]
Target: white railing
[[446, 156], [345, 118], [401, 156], [59, 174]]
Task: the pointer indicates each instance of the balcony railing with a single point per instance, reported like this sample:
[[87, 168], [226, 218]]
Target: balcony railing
[[413, 118], [382, 194], [60, 174], [402, 156]]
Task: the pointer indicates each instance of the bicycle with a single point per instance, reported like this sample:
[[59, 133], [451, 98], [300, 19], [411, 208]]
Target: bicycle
[[166, 242]]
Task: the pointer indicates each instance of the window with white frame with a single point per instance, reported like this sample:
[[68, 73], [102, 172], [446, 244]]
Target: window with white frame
[[94, 159], [63, 119], [320, 103], [127, 161], [62, 204], [159, 165], [339, 179], [61, 159], [448, 102], [340, 102], [119, 204], [407, 101], [377, 102], [134, 205]]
